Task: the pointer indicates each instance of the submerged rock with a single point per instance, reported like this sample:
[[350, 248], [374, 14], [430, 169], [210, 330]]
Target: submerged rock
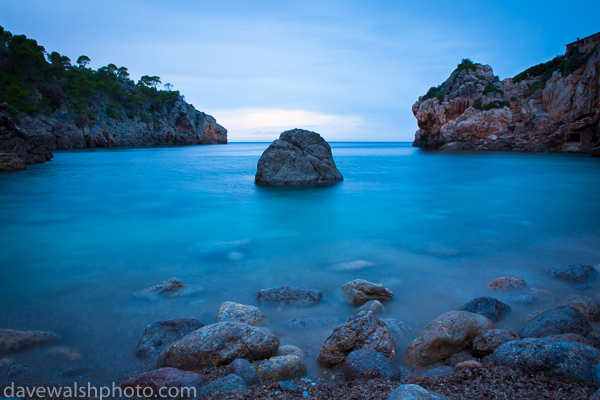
[[290, 296], [160, 334], [569, 337], [567, 360], [280, 368], [11, 340], [353, 265], [372, 305], [574, 273], [447, 334], [521, 298], [172, 287], [236, 312], [220, 344], [298, 157], [360, 291], [487, 306], [369, 364], [507, 282], [361, 331], [312, 323]]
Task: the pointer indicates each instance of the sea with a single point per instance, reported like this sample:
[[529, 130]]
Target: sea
[[82, 235]]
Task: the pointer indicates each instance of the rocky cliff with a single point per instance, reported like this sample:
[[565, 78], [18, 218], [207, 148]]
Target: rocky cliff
[[552, 107]]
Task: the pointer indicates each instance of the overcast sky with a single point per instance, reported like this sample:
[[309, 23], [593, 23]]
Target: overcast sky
[[350, 70]]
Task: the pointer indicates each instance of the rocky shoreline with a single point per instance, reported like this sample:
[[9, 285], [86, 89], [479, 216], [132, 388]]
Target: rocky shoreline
[[458, 355]]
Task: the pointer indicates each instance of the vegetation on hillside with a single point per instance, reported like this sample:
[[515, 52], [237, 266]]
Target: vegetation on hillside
[[439, 92], [566, 64], [35, 81]]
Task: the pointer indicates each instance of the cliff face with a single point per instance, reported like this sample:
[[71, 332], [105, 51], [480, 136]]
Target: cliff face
[[555, 110]]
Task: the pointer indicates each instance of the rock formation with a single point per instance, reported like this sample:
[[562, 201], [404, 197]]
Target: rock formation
[[298, 157], [552, 107]]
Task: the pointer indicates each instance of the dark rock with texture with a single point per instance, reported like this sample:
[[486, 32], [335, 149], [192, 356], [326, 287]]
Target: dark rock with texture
[[11, 340], [489, 341], [160, 334], [489, 307], [575, 361], [414, 392], [243, 368], [220, 344], [280, 368], [594, 337], [507, 282], [569, 337], [369, 364], [165, 378], [361, 331], [584, 304], [289, 296], [556, 320], [360, 291], [228, 384], [574, 273], [298, 157]]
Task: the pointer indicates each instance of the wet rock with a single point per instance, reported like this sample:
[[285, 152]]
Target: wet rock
[[243, 368], [289, 350], [165, 378], [11, 340], [507, 282], [172, 287], [569, 337], [469, 364], [10, 162], [458, 358], [161, 334], [312, 323], [489, 341], [228, 384], [439, 371], [372, 305], [574, 273], [220, 344], [594, 337], [489, 307], [555, 320], [521, 298], [65, 353], [574, 361], [541, 292], [447, 334], [584, 304], [369, 364], [596, 376], [414, 392], [360, 291], [280, 368], [361, 331], [290, 296], [401, 333], [298, 157], [236, 312], [355, 265]]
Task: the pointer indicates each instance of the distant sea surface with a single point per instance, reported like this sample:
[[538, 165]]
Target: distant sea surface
[[82, 233]]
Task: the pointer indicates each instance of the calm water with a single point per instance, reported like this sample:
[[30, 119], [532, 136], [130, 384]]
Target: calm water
[[81, 234]]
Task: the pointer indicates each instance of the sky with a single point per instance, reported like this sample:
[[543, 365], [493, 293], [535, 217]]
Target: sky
[[349, 70]]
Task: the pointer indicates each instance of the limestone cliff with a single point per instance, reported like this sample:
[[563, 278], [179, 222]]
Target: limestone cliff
[[552, 107]]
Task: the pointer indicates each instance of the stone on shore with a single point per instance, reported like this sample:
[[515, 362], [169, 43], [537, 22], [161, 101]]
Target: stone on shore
[[556, 320], [584, 304], [507, 282], [236, 312], [447, 334], [11, 340], [289, 350], [489, 341], [574, 273], [289, 296], [164, 378], [228, 384], [361, 331], [243, 368], [298, 157], [372, 305], [369, 364], [160, 334], [414, 392], [401, 333], [489, 307], [360, 291], [220, 344], [280, 368], [568, 360]]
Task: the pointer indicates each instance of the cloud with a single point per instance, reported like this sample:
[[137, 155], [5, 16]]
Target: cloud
[[263, 125]]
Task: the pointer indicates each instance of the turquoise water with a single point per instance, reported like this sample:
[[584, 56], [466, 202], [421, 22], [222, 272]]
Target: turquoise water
[[81, 234]]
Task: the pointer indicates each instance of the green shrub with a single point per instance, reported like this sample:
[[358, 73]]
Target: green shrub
[[536, 85], [465, 65], [493, 104], [491, 88]]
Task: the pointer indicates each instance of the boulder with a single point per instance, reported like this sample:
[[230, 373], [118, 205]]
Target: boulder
[[555, 320], [228, 384], [447, 334], [172, 287], [360, 291], [236, 312], [280, 368], [414, 392], [584, 304], [507, 282], [372, 305], [570, 337], [401, 333], [469, 364], [289, 296], [298, 157], [160, 334], [489, 341], [164, 378], [574, 273], [299, 324], [219, 344], [458, 358], [594, 337], [361, 331], [243, 368], [11, 340], [289, 350], [489, 307], [369, 364], [521, 298], [10, 162], [568, 360]]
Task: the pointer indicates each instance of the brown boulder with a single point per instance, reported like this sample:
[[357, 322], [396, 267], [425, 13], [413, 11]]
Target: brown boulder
[[488, 341], [507, 282], [360, 291], [11, 340]]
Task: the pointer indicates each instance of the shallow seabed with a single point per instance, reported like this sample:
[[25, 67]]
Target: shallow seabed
[[81, 234]]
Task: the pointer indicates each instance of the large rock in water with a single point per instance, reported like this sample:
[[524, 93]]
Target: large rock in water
[[236, 312], [557, 320], [487, 306], [360, 291], [160, 334], [11, 340], [298, 157], [584, 304], [220, 344], [447, 334]]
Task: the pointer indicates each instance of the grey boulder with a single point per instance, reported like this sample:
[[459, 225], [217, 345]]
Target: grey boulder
[[369, 364], [160, 334], [236, 312], [360, 291], [415, 392], [557, 320]]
